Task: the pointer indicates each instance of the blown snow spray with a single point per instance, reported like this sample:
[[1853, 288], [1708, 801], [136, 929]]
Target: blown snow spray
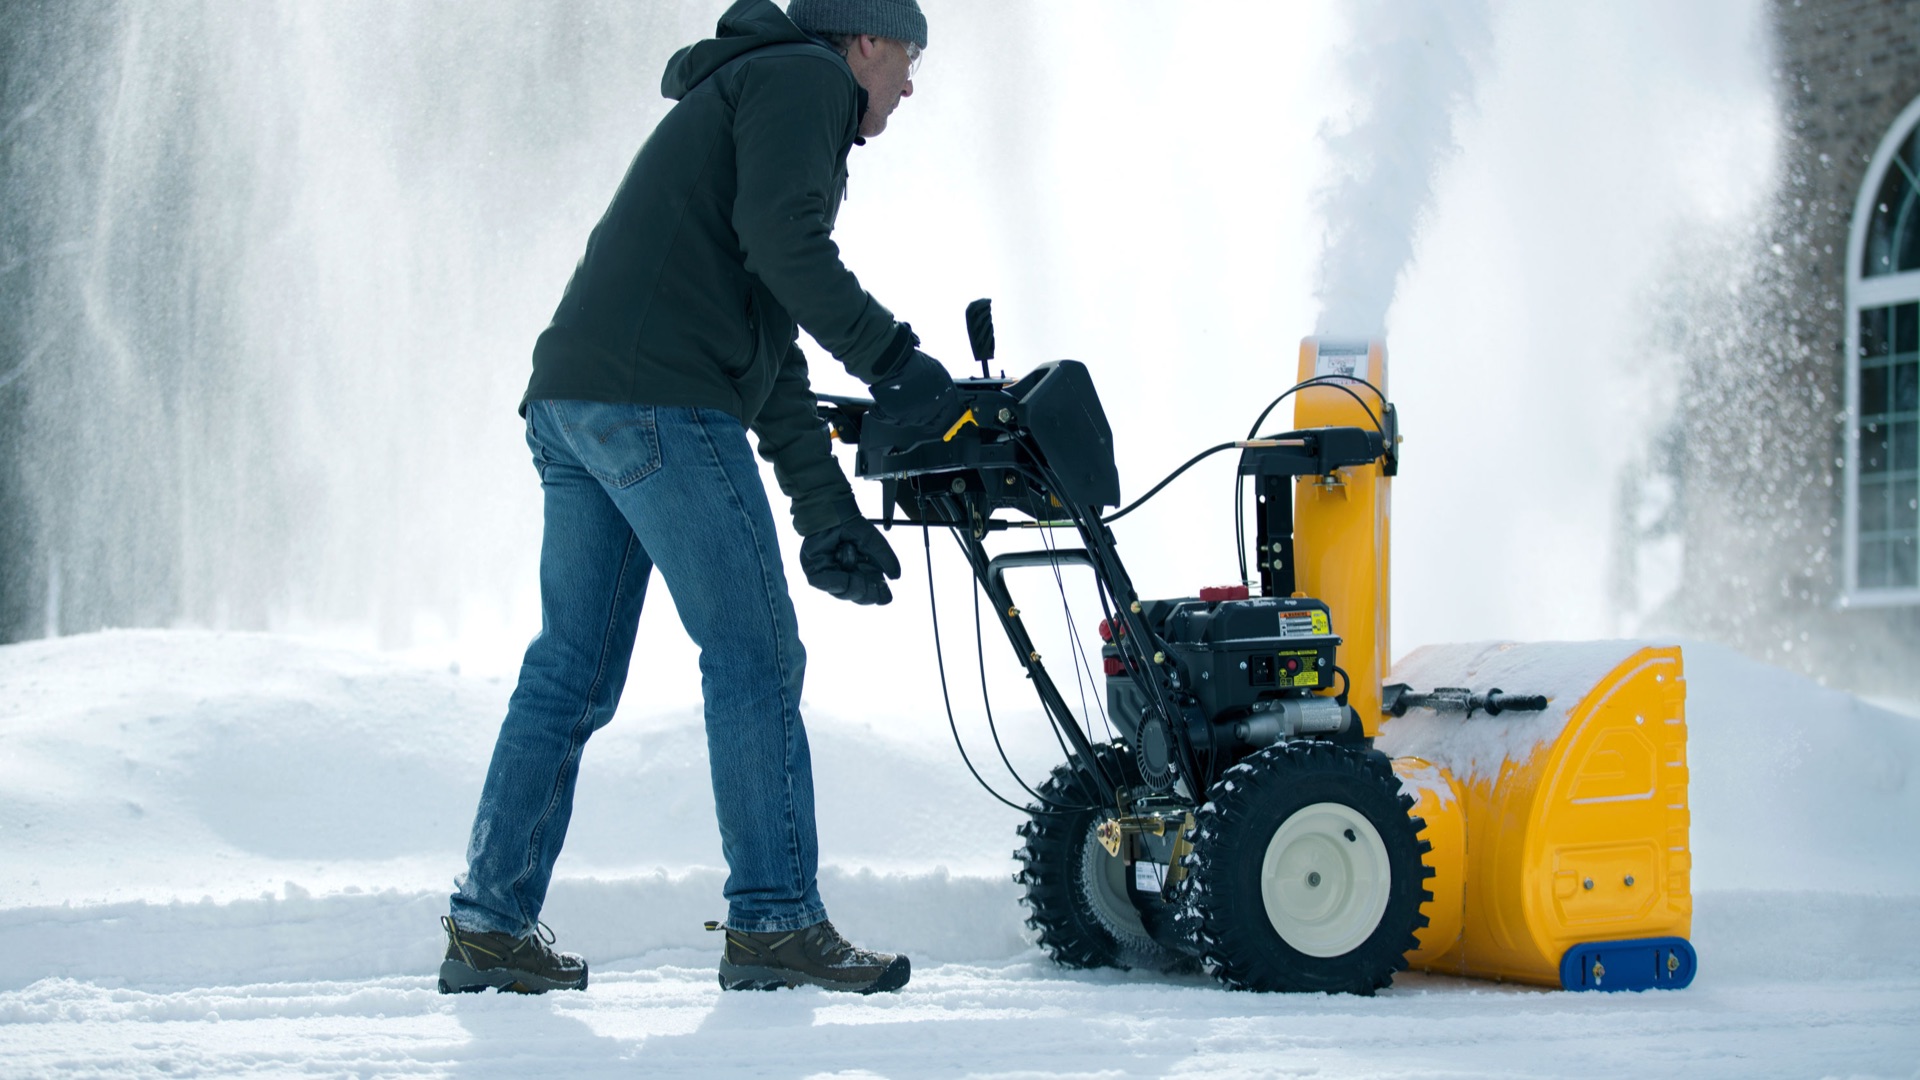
[[1411, 69]]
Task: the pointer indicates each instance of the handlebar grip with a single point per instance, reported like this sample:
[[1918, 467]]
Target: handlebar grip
[[1498, 702]]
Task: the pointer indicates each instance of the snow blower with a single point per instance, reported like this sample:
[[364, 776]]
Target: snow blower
[[1263, 802]]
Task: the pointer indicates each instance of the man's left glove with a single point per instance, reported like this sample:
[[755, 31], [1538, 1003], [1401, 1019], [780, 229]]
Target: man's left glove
[[915, 391], [850, 560]]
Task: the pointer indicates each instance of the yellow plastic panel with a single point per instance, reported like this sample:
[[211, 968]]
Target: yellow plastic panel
[[1341, 528], [1439, 807], [1576, 819]]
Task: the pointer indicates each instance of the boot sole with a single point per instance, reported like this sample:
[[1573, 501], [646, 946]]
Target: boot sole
[[457, 978], [754, 977]]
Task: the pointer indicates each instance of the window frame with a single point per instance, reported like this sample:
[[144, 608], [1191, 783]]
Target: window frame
[[1870, 292]]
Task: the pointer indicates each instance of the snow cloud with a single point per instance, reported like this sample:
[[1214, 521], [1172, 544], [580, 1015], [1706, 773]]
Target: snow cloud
[[1411, 69]]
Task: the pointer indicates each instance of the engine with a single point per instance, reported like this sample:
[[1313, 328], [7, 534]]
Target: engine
[[1252, 672]]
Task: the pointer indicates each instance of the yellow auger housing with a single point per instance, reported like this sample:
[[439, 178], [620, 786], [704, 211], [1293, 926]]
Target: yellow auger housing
[[1558, 838]]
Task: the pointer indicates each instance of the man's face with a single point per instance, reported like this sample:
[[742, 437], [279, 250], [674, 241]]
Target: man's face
[[884, 67]]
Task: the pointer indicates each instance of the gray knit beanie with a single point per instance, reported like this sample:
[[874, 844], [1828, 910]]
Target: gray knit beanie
[[900, 20]]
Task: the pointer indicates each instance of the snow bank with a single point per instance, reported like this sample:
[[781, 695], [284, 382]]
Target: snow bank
[[1796, 786], [163, 765], [181, 807], [156, 765]]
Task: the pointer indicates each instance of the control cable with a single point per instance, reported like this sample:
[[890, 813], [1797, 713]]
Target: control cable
[[1082, 670], [1332, 382], [986, 702], [980, 653], [939, 656], [1171, 477]]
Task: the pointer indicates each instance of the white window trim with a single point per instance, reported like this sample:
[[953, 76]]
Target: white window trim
[[1869, 292]]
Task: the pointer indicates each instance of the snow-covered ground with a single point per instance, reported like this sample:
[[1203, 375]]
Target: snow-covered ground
[[224, 854]]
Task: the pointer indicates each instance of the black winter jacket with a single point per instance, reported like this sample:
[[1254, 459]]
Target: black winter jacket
[[718, 242]]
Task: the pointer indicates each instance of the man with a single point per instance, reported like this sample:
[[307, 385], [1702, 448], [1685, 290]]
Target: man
[[675, 336]]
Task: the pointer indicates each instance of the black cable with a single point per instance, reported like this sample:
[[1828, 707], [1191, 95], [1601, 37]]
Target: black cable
[[1087, 531], [986, 702], [1045, 479], [939, 656], [1240, 525], [1099, 691], [1110, 613], [1053, 725], [1171, 477], [1336, 382], [1175, 717], [1082, 670], [1050, 482]]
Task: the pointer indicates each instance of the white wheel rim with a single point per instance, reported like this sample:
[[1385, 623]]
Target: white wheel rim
[[1325, 879]]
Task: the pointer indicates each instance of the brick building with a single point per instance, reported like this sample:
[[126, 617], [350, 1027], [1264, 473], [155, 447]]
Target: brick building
[[1794, 451]]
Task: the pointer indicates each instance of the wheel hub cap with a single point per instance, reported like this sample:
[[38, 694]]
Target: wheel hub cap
[[1325, 879]]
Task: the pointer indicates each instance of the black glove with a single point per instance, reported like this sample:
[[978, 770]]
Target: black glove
[[848, 561], [917, 394]]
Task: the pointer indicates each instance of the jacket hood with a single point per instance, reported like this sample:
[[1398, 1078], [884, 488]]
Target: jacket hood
[[747, 25]]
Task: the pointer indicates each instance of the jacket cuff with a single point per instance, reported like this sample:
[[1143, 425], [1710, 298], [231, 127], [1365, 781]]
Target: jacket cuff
[[894, 357]]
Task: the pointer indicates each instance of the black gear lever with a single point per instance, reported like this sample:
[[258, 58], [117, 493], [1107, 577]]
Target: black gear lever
[[980, 333]]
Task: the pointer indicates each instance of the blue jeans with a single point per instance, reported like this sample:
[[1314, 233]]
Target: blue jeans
[[631, 488]]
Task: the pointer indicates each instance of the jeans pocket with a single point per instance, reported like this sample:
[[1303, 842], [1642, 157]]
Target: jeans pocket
[[619, 445], [535, 448]]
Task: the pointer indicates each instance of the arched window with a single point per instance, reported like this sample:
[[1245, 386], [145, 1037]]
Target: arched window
[[1883, 377]]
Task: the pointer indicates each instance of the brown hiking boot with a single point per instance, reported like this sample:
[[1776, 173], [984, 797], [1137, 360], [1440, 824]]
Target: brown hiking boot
[[815, 956], [525, 965]]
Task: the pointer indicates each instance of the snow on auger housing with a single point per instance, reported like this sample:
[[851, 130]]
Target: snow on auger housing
[[1247, 813]]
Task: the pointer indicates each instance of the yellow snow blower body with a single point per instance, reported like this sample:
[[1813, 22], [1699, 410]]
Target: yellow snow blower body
[[1263, 792], [1559, 838]]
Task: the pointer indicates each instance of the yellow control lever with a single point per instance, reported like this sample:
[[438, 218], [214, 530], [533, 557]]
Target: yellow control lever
[[965, 419]]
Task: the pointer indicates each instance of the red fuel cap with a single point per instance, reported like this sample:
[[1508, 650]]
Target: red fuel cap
[[1223, 592]]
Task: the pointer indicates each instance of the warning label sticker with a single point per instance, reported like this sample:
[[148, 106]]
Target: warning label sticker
[[1348, 358], [1303, 623], [1148, 875]]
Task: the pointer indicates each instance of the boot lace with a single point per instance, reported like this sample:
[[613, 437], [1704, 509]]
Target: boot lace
[[540, 942], [828, 944]]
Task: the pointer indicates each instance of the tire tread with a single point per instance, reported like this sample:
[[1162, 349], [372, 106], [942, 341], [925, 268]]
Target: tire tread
[[1227, 919]]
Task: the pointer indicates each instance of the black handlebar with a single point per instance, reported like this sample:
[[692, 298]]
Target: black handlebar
[[1397, 698]]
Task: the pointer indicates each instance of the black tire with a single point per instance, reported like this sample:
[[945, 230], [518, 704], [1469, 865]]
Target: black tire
[[1076, 893], [1306, 873]]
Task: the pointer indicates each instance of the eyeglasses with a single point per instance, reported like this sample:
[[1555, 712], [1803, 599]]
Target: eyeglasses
[[913, 58]]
